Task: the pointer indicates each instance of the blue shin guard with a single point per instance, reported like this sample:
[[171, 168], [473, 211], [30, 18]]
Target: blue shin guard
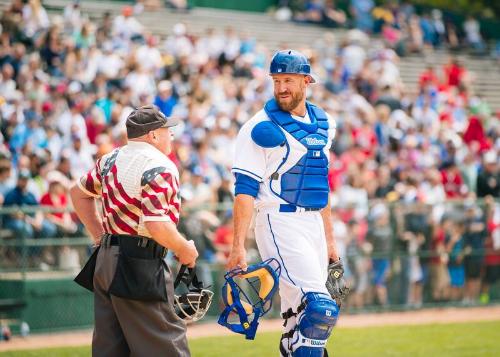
[[314, 325]]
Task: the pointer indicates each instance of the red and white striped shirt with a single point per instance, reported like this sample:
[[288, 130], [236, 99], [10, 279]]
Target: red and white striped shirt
[[136, 183]]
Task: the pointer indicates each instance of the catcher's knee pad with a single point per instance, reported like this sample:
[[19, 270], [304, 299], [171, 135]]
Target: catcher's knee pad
[[314, 325]]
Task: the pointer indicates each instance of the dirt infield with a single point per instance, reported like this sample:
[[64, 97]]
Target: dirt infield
[[428, 316]]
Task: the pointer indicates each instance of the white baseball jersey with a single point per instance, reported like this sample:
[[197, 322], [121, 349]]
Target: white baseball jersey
[[260, 163], [296, 240]]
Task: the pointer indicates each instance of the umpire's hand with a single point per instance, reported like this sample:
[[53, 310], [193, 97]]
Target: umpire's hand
[[188, 254]]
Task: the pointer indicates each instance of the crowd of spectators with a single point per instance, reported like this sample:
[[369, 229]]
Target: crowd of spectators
[[68, 84], [399, 24]]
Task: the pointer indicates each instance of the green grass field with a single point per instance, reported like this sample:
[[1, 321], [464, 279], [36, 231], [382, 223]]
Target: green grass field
[[475, 339]]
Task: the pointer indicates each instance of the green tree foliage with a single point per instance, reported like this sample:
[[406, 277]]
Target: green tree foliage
[[483, 8]]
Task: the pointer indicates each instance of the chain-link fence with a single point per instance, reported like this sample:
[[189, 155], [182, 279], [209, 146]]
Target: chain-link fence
[[396, 256]]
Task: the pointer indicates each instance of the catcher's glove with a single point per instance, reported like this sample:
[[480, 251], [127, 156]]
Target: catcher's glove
[[335, 283]]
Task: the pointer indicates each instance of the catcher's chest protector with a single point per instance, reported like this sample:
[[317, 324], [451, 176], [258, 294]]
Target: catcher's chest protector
[[306, 183]]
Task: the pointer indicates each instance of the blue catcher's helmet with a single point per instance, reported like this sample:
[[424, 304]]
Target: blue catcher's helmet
[[248, 294], [290, 61]]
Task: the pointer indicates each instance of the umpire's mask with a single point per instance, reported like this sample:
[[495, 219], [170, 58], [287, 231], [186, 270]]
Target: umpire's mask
[[191, 302], [248, 296]]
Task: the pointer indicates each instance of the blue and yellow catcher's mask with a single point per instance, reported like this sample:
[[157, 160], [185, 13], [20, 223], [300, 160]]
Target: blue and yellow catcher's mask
[[248, 295]]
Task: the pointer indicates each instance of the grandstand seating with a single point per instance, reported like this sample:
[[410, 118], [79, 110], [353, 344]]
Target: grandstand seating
[[274, 34]]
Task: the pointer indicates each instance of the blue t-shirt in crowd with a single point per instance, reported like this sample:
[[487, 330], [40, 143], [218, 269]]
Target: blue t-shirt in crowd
[[16, 197], [166, 106]]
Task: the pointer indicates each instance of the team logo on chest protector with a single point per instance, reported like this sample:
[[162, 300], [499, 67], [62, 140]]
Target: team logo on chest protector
[[306, 183]]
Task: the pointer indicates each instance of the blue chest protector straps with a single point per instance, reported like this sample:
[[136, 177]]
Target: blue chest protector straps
[[306, 183]]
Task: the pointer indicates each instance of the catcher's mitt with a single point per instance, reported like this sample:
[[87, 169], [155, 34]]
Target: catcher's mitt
[[335, 283]]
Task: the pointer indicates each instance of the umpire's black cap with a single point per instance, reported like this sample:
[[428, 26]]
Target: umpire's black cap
[[146, 118]]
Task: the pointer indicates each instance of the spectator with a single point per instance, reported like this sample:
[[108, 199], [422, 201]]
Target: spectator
[[223, 239], [474, 236], [80, 156], [452, 180], [414, 228], [31, 225], [148, 56], [72, 17], [361, 12], [57, 198], [6, 179], [492, 246], [454, 248], [358, 263], [473, 34], [126, 27], [165, 100], [454, 73], [379, 236], [488, 179], [439, 275], [35, 20]]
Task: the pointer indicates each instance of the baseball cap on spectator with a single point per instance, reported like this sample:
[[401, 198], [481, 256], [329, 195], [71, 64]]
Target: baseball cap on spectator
[[146, 118]]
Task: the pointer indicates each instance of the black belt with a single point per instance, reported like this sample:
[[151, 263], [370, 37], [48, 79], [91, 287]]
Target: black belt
[[135, 246]]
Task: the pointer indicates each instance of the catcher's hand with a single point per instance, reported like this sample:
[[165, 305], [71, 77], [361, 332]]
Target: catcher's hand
[[335, 283]]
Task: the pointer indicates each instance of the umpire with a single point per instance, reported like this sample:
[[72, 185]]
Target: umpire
[[133, 291]]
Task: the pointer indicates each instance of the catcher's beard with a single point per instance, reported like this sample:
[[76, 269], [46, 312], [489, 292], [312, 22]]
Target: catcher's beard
[[296, 99]]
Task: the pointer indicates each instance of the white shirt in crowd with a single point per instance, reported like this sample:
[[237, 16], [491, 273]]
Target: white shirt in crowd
[[34, 22], [472, 31], [140, 82], [71, 124], [110, 65], [354, 58], [149, 58], [81, 160], [126, 27]]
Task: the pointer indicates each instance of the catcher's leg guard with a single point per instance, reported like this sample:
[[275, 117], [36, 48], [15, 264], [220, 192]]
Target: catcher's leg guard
[[315, 322]]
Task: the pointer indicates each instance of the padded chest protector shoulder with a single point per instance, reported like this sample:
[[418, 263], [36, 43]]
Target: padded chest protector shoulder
[[306, 183]]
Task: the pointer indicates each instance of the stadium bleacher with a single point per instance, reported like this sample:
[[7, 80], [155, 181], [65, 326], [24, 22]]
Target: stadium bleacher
[[274, 34]]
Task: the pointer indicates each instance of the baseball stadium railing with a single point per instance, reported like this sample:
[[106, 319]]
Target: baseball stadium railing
[[385, 273]]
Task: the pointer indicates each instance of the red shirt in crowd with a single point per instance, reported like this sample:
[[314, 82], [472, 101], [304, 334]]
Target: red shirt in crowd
[[224, 239], [365, 137], [438, 240], [60, 201], [492, 256], [428, 77], [453, 183], [454, 74], [475, 132]]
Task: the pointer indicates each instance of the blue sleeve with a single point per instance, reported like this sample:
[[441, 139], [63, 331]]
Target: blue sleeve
[[246, 185]]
